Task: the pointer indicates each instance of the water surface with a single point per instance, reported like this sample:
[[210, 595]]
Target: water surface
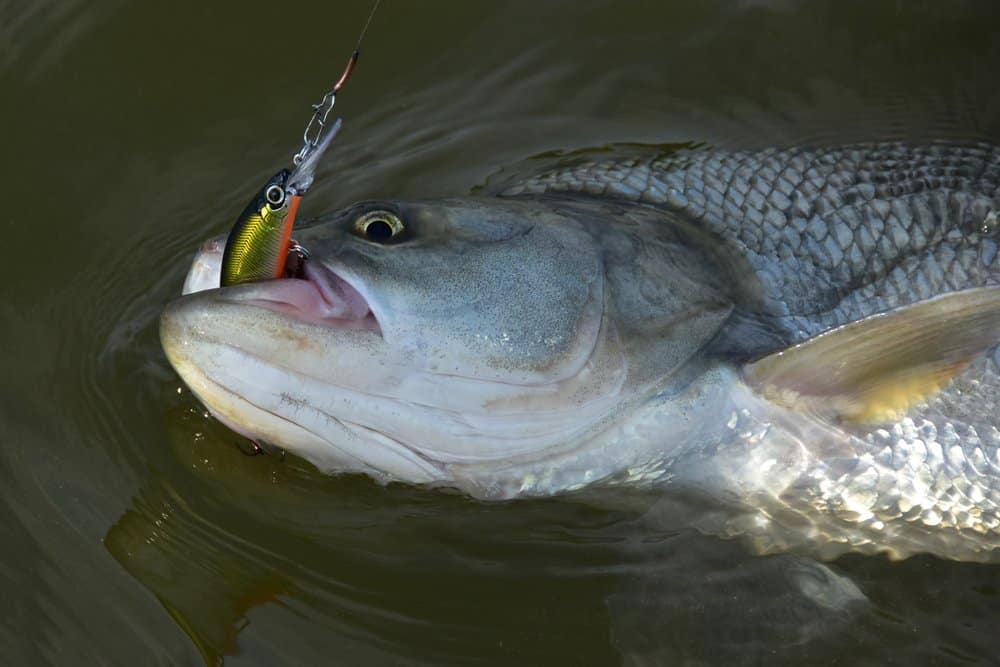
[[134, 529]]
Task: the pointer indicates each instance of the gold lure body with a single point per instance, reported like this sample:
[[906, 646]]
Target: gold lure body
[[257, 247]]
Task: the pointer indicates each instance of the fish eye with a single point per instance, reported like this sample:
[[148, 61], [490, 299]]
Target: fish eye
[[379, 226], [275, 196]]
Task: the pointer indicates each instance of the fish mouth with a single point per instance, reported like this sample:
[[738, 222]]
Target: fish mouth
[[318, 295], [311, 290]]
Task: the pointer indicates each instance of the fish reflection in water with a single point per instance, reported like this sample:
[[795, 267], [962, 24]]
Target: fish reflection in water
[[656, 596], [215, 579]]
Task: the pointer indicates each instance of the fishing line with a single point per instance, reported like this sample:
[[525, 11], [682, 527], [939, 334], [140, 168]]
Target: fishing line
[[321, 110]]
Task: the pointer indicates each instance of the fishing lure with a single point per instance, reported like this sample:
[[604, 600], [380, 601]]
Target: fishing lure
[[260, 242], [257, 246]]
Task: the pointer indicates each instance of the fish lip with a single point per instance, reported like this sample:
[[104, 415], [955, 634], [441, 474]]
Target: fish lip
[[317, 292], [321, 296], [335, 285]]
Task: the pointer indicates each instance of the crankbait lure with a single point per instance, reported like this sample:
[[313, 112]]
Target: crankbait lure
[[260, 243], [257, 246]]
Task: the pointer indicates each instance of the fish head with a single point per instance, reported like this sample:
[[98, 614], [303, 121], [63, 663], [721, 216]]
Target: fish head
[[446, 341]]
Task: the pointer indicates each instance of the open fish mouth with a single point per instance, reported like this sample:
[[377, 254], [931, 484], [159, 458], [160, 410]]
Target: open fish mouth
[[319, 296], [255, 355], [311, 291]]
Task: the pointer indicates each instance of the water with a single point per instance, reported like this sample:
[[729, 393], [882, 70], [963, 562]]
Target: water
[[134, 529]]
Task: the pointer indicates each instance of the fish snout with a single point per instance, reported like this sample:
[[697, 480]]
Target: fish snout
[[183, 334]]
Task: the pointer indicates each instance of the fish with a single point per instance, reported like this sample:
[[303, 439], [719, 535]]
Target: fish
[[796, 347]]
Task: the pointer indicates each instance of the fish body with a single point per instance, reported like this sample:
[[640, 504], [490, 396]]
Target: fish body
[[796, 346]]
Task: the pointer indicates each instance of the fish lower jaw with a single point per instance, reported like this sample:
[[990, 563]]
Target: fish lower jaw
[[346, 447], [384, 459]]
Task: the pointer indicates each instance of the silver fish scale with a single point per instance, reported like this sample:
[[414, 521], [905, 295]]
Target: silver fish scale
[[918, 485], [832, 234], [922, 482]]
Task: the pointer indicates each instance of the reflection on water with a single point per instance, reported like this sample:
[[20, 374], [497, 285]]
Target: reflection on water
[[383, 573], [134, 529]]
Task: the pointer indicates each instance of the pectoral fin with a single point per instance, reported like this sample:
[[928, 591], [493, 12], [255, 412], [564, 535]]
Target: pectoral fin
[[877, 368]]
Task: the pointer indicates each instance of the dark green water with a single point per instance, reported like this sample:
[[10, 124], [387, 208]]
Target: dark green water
[[133, 529]]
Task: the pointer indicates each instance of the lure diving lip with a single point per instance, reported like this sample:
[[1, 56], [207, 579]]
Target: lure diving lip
[[305, 173]]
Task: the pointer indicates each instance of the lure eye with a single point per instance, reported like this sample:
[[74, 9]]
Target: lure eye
[[275, 196], [379, 226]]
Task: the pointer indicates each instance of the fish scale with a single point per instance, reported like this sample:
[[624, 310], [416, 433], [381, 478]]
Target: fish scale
[[935, 475], [924, 483], [833, 236]]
